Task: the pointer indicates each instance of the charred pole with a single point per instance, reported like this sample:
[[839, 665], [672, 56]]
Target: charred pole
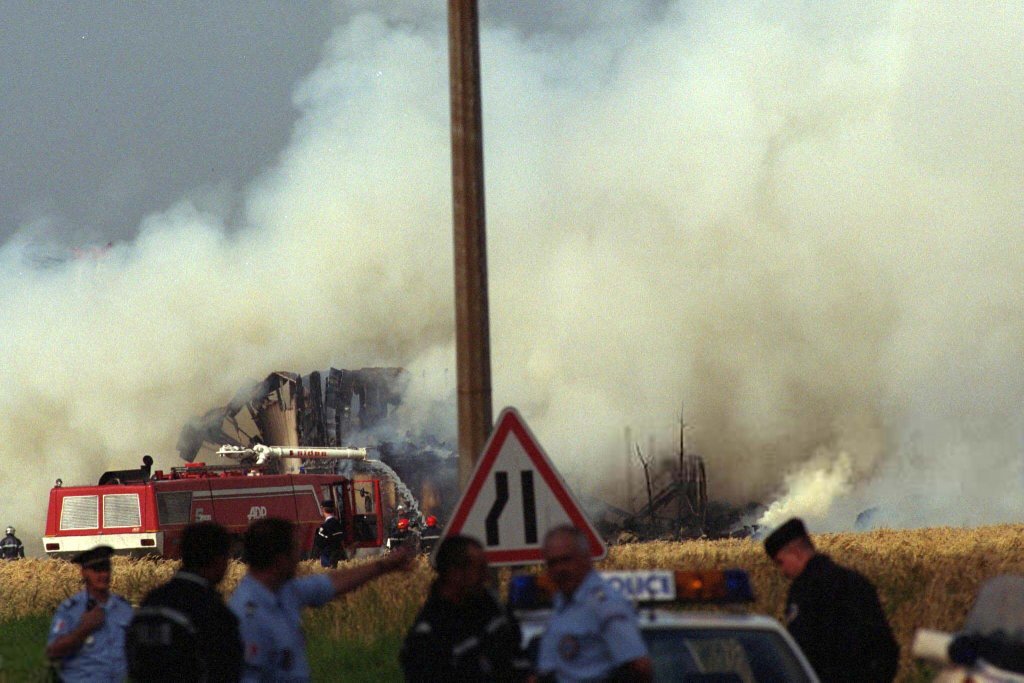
[[472, 331]]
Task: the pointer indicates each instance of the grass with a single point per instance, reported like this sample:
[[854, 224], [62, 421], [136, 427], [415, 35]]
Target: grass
[[21, 649], [925, 577], [371, 660]]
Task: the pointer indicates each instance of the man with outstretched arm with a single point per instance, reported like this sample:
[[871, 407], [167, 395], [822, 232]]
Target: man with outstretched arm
[[269, 600]]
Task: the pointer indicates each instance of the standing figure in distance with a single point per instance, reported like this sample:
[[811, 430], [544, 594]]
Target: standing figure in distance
[[11, 547], [183, 631], [88, 629], [269, 600], [593, 632], [430, 534], [463, 632], [329, 542], [832, 612]]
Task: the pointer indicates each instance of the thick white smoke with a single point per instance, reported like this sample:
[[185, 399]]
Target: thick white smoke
[[805, 223]]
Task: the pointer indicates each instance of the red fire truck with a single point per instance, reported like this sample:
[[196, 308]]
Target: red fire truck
[[142, 513]]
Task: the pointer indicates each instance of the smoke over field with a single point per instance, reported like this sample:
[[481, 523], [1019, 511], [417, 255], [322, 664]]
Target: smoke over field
[[806, 223]]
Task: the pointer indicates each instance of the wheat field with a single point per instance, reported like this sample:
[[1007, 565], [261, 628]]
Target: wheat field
[[925, 577]]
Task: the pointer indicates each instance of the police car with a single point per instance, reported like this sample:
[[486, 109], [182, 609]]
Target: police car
[[686, 645]]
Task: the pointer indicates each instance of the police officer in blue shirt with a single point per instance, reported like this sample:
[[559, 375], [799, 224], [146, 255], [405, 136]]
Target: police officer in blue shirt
[[87, 635], [269, 600], [592, 634]]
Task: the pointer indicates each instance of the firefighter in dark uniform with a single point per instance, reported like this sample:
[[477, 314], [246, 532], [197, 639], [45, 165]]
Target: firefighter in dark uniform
[[463, 632], [430, 534], [832, 612], [329, 543], [11, 548], [208, 646]]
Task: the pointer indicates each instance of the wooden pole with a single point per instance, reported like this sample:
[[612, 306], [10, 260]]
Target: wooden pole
[[472, 332]]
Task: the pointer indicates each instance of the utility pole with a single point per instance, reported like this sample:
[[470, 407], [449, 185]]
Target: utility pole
[[472, 327], [681, 488]]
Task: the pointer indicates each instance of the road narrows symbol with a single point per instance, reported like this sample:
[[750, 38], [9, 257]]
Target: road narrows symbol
[[501, 497], [488, 509]]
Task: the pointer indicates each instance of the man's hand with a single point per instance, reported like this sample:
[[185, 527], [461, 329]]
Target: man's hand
[[69, 644], [398, 560], [349, 579], [92, 619]]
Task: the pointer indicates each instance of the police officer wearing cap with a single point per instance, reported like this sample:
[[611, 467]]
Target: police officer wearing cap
[[87, 634], [832, 612], [593, 632], [270, 598], [329, 542]]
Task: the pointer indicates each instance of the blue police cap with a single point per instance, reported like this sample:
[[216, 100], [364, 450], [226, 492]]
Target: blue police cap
[[94, 556]]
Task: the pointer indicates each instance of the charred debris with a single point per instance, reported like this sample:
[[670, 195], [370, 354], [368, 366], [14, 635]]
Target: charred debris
[[332, 408], [673, 504], [357, 408]]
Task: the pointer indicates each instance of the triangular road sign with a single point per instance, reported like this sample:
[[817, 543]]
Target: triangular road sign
[[515, 496]]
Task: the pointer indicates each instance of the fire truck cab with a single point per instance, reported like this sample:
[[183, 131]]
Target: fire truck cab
[[138, 513]]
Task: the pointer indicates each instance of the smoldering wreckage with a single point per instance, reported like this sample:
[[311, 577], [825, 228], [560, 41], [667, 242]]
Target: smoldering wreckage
[[358, 408], [290, 441]]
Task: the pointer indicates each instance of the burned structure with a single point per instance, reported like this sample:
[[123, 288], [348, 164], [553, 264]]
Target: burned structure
[[676, 503], [335, 408], [286, 409]]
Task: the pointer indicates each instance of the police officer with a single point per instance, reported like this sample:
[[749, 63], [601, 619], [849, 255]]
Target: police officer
[[208, 647], [592, 633], [11, 547], [329, 542], [463, 632], [832, 612], [269, 600], [87, 634]]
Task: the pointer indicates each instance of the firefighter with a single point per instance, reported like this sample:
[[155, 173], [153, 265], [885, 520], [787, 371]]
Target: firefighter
[[269, 599], [430, 534], [183, 631], [329, 542], [11, 548], [87, 634], [399, 535], [593, 632], [832, 612], [401, 521], [463, 632]]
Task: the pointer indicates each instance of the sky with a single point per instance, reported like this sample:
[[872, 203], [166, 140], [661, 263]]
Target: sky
[[803, 224]]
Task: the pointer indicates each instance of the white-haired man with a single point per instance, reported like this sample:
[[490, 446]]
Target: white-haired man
[[593, 632]]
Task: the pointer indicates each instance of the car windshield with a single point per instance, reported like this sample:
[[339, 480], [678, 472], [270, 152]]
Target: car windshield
[[722, 656]]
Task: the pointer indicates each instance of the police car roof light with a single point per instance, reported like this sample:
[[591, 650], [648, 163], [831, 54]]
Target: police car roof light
[[729, 585], [663, 586], [530, 591]]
